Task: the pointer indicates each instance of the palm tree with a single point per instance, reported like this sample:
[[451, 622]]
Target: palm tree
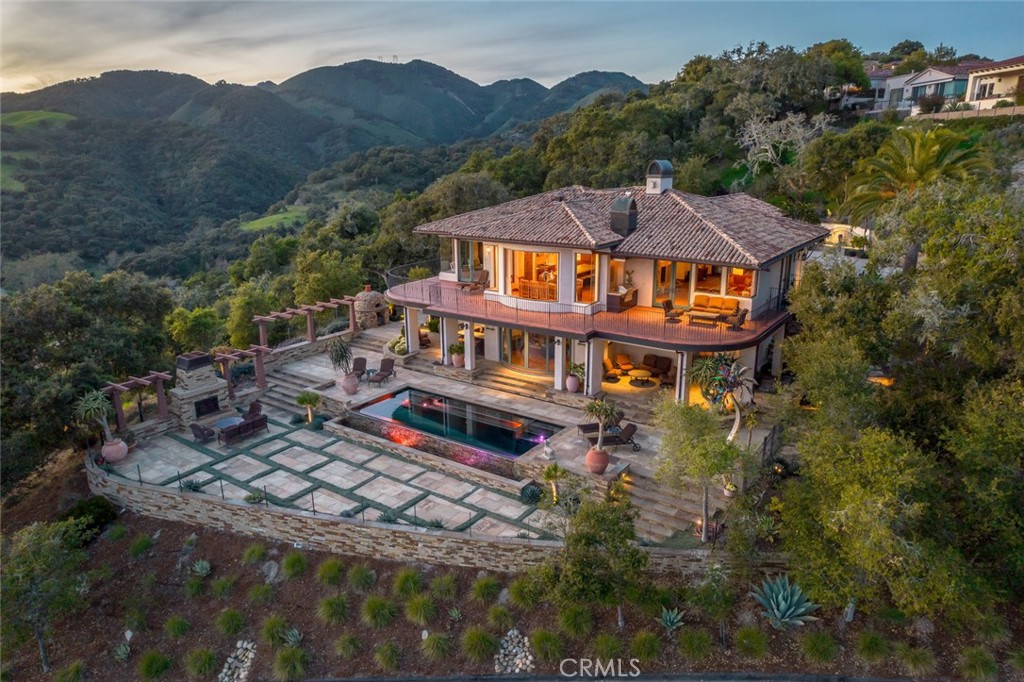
[[552, 474], [603, 412], [94, 406], [340, 353], [738, 387], [310, 401], [706, 373], [910, 159]]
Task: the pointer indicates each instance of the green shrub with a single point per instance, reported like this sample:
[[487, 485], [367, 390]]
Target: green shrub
[[872, 647], [140, 545], [261, 594], [694, 644], [915, 660], [524, 593], [992, 630], [176, 627], [116, 532], [201, 662], [74, 672], [273, 630], [290, 663], [500, 618], [407, 583], [333, 610], [386, 655], [547, 645], [420, 609], [293, 565], [444, 587], [651, 599], [531, 493], [437, 646], [97, 511], [478, 644], [751, 642], [154, 664], [576, 621], [378, 612], [254, 554], [645, 646], [978, 664], [486, 589], [221, 587], [1016, 659], [330, 572], [361, 578], [230, 622], [347, 646], [607, 647], [194, 587], [819, 647]]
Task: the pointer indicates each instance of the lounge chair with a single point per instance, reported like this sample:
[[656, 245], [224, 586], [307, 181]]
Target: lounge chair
[[735, 322], [671, 315], [201, 433], [479, 281], [611, 375], [656, 364], [593, 427], [386, 371], [358, 367], [624, 363], [625, 437]]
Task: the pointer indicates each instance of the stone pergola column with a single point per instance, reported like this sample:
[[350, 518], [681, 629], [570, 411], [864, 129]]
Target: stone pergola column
[[310, 326], [225, 369], [115, 397], [161, 398], [353, 324], [261, 372], [262, 324]]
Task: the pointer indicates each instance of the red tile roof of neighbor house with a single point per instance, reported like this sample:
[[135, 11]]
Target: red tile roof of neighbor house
[[1012, 61], [736, 229]]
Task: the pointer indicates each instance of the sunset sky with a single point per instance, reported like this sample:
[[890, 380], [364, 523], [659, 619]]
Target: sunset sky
[[45, 42]]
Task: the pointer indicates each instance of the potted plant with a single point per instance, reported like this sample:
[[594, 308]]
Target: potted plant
[[457, 352], [310, 400], [729, 489], [603, 412], [340, 354], [576, 376], [95, 406], [434, 331]]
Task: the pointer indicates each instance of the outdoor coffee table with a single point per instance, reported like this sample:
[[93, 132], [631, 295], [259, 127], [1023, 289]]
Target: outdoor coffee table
[[641, 378], [703, 319]]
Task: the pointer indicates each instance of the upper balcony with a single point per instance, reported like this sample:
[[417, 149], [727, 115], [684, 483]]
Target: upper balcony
[[637, 324]]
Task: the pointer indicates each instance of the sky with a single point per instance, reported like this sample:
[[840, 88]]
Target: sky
[[43, 42]]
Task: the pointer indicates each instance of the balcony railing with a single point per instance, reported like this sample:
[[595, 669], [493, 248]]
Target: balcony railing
[[641, 323]]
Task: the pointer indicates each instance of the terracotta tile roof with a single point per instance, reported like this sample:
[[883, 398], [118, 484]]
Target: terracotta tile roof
[[1012, 61], [728, 230], [878, 74]]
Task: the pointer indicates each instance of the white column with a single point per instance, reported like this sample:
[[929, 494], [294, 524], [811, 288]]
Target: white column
[[449, 335], [492, 343], [412, 330], [748, 358], [595, 366], [560, 368], [470, 344], [683, 377], [499, 255]]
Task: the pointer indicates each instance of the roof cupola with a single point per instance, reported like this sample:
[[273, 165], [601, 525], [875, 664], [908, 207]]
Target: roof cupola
[[659, 176]]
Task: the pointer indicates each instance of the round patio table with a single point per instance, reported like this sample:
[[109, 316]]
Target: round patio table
[[641, 378], [228, 421]]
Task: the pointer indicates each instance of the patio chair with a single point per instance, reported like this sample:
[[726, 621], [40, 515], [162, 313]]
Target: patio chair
[[255, 409], [201, 433], [625, 437], [358, 367], [479, 281], [611, 375], [594, 427], [671, 315], [624, 363], [735, 322], [386, 371]]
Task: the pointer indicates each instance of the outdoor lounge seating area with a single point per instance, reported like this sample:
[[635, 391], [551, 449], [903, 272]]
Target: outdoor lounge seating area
[[703, 303], [248, 427], [624, 437]]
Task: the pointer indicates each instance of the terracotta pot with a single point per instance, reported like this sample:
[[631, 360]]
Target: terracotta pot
[[572, 384], [350, 384], [458, 360], [597, 460], [729, 492], [114, 451]]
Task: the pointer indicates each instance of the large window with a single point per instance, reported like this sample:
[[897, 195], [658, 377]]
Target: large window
[[533, 275], [671, 282], [709, 279], [740, 282], [528, 351], [586, 277]]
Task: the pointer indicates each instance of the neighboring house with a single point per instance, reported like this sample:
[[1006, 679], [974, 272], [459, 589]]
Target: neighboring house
[[896, 94], [991, 82], [582, 275], [948, 81]]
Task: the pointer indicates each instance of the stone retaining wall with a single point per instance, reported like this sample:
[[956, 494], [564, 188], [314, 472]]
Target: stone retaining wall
[[365, 538], [301, 350]]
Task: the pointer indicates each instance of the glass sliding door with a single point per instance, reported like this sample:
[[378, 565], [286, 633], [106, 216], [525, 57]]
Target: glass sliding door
[[469, 258], [671, 282], [528, 351]]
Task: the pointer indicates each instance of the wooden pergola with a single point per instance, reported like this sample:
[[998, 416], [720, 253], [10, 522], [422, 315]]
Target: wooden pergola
[[225, 360], [308, 310], [154, 379]]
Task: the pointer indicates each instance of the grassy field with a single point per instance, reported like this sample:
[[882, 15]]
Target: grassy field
[[267, 222], [9, 166], [25, 119]]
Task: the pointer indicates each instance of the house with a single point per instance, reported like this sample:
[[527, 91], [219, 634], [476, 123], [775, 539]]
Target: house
[[581, 275], [892, 91], [948, 81], [991, 82]]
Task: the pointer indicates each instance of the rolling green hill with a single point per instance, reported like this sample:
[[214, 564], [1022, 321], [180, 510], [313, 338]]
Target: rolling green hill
[[26, 119]]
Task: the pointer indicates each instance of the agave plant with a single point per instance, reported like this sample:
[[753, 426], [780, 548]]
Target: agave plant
[[670, 620], [785, 604], [292, 637], [201, 568]]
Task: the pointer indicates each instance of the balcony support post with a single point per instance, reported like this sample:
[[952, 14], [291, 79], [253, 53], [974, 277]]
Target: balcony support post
[[470, 345], [777, 339], [594, 366], [412, 330], [449, 335], [683, 377], [560, 368]]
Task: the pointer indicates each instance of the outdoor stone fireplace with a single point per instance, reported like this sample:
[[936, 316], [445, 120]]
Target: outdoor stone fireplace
[[198, 392]]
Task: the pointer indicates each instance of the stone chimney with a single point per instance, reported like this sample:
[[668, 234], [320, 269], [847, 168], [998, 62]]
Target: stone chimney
[[659, 177], [624, 216]]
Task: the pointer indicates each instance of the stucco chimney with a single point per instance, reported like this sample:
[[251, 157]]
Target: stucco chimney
[[659, 176]]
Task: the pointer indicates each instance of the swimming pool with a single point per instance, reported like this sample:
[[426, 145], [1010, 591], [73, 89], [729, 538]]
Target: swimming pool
[[481, 428]]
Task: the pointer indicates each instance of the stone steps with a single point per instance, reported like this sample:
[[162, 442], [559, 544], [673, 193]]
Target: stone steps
[[664, 511]]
